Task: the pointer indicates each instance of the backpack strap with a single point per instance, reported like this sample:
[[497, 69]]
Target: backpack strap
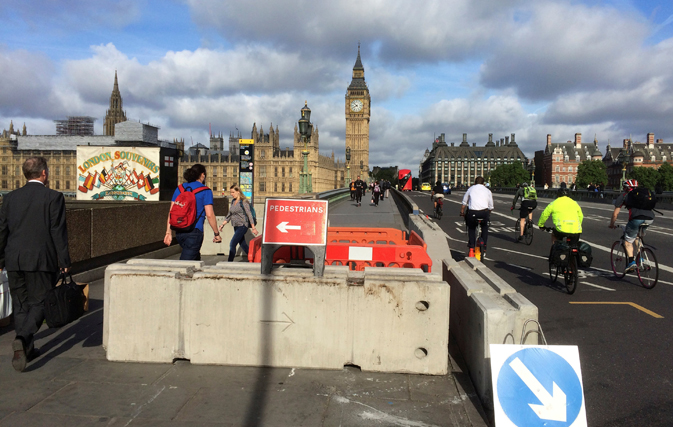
[[181, 188], [200, 189]]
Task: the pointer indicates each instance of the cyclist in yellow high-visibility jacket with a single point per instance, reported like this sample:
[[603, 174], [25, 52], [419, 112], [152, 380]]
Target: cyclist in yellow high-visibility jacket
[[566, 215]]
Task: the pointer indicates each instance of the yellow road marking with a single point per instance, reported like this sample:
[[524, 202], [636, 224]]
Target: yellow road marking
[[634, 305]]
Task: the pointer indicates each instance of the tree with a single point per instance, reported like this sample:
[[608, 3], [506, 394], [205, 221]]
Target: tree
[[646, 177], [591, 171], [665, 179], [509, 175], [387, 174]]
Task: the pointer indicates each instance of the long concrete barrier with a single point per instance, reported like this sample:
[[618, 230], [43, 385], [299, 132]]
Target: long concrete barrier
[[484, 308], [380, 319]]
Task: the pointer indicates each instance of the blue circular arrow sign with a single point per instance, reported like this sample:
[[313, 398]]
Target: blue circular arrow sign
[[537, 387]]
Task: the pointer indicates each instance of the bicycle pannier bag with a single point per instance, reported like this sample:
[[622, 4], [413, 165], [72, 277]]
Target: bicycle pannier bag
[[560, 254], [585, 257], [64, 303]]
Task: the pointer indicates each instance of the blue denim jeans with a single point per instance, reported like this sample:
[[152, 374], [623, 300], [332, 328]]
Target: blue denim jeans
[[632, 228], [239, 238], [191, 244]]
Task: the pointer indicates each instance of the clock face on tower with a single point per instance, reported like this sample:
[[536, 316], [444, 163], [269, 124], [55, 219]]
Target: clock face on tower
[[356, 105]]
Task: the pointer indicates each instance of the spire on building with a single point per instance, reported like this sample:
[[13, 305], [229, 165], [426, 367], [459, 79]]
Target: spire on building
[[24, 133], [358, 61], [358, 81], [115, 114]]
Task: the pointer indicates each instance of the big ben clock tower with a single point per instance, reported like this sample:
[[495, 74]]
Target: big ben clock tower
[[358, 110]]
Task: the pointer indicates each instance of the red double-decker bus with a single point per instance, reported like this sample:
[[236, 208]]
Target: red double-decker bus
[[404, 177]]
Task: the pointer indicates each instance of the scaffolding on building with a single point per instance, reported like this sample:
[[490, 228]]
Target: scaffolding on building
[[75, 125]]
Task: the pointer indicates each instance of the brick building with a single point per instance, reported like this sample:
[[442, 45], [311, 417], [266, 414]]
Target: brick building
[[558, 162], [631, 154]]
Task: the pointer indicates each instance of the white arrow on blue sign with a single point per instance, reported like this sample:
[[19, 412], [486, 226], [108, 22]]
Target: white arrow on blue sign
[[537, 386]]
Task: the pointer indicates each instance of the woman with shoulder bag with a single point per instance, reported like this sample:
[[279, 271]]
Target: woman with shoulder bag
[[240, 216]]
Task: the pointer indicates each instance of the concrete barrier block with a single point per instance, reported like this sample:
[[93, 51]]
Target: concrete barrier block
[[289, 318], [167, 263], [412, 324], [526, 311], [401, 274], [140, 266], [495, 281], [144, 320], [255, 268], [267, 321]]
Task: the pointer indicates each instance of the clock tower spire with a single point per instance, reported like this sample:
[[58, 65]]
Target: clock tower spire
[[358, 112]]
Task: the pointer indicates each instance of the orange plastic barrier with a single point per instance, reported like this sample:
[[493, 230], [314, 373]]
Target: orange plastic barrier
[[360, 235], [358, 248]]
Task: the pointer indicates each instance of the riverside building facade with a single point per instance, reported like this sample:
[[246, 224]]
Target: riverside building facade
[[460, 164]]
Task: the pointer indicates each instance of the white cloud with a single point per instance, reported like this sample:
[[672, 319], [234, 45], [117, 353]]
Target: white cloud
[[566, 47], [406, 31]]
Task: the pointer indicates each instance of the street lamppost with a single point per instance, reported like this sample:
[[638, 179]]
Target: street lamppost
[[348, 165], [621, 184], [305, 129]]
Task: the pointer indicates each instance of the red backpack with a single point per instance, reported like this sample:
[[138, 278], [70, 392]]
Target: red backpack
[[182, 216]]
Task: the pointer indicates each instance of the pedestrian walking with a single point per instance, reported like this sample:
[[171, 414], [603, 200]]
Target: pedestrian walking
[[189, 232], [241, 219], [33, 248], [359, 189], [376, 192]]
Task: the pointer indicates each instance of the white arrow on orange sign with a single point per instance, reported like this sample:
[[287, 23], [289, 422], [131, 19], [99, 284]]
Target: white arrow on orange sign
[[283, 227]]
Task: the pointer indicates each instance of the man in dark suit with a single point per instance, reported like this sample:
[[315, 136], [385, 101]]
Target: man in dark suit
[[33, 247]]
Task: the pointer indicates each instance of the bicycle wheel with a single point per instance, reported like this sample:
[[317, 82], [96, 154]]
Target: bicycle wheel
[[516, 230], [570, 275], [553, 270], [618, 259], [648, 268], [439, 212], [528, 233]]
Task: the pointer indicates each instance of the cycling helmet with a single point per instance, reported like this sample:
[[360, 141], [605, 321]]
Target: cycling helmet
[[562, 192], [524, 184], [630, 183]]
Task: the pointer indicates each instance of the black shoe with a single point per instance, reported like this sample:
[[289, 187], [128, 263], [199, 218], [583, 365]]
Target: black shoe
[[34, 354], [19, 360], [520, 238]]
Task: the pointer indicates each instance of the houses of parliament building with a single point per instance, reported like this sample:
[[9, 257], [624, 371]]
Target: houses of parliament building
[[276, 169]]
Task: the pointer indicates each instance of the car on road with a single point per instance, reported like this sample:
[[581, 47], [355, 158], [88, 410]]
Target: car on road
[[447, 188], [425, 187]]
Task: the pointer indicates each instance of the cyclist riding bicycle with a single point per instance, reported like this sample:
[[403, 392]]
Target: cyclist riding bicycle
[[437, 193], [566, 215], [528, 197], [479, 203], [639, 201]]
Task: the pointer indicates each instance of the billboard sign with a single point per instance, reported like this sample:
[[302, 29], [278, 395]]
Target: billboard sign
[[118, 173], [245, 172]]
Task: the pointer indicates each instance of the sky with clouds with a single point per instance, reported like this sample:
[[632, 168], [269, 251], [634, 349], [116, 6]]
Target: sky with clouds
[[529, 67]]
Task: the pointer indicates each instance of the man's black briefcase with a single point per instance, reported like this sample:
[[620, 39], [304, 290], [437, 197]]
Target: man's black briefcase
[[64, 303]]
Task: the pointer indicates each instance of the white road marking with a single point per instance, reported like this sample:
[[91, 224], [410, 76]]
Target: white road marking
[[593, 245], [599, 287]]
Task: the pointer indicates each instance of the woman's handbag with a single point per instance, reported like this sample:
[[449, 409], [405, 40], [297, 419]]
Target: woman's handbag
[[64, 303]]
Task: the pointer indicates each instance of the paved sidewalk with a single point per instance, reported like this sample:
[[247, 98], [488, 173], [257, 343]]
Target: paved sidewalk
[[72, 384]]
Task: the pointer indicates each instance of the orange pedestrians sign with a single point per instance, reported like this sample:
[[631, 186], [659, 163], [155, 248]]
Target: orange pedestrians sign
[[295, 222]]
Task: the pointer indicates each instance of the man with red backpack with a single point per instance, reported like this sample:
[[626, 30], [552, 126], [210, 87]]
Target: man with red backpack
[[640, 202], [192, 204]]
